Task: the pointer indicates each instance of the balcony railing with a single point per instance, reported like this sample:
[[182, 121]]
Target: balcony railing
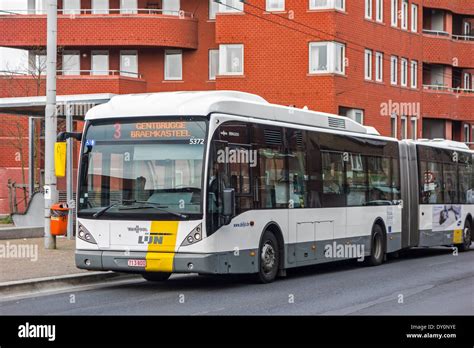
[[443, 88], [120, 11], [463, 37], [75, 73], [435, 32]]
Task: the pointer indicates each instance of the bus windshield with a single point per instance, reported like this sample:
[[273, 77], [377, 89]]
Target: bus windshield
[[143, 169]]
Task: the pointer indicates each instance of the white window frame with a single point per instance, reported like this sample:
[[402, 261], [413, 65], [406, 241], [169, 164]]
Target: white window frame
[[394, 130], [96, 10], [467, 133], [331, 55], [231, 6], [379, 10], [394, 13], [128, 10], [173, 53], [171, 10], [394, 70], [280, 6], [404, 15], [368, 64], [414, 74], [213, 9], [414, 127], [223, 57], [414, 18], [71, 72], [126, 72], [212, 76], [100, 72], [404, 127], [467, 81], [467, 28], [404, 72], [378, 66], [330, 4], [368, 9]]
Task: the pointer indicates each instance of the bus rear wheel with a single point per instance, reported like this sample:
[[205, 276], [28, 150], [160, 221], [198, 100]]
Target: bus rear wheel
[[156, 276], [377, 248], [467, 237], [268, 258]]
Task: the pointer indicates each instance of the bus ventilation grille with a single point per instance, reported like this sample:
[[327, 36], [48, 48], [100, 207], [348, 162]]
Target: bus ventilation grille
[[336, 123], [299, 139], [273, 137]]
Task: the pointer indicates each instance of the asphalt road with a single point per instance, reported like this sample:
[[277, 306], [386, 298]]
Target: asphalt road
[[428, 281]]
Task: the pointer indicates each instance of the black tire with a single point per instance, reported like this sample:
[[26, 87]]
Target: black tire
[[467, 237], [156, 276], [268, 258], [377, 247]]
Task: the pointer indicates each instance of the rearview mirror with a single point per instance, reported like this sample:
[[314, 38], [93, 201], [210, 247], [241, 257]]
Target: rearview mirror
[[60, 158]]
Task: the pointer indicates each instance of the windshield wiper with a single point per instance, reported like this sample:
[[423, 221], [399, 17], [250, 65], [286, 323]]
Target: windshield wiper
[[156, 206], [104, 209]]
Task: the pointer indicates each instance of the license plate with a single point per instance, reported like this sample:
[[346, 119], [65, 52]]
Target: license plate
[[137, 263]]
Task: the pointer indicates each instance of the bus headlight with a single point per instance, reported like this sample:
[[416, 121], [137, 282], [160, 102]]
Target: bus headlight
[[85, 235], [194, 236]]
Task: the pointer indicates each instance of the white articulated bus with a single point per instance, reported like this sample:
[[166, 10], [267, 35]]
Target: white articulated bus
[[224, 182]]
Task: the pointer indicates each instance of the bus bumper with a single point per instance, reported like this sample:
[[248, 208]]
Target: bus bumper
[[218, 263]]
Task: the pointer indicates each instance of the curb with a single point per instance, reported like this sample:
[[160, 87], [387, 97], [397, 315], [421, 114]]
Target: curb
[[23, 287]]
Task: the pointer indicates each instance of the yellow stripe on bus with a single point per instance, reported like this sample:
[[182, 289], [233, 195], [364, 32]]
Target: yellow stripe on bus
[[160, 256]]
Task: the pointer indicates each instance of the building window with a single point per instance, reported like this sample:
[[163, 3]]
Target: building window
[[100, 63], [414, 18], [231, 59], [327, 4], [171, 7], [129, 63], [71, 63], [394, 70], [368, 9], [231, 6], [394, 13], [213, 9], [379, 66], [467, 81], [356, 115], [379, 10], [393, 126], [71, 7], [100, 6], [414, 74], [173, 65], [368, 64], [213, 64], [466, 133], [275, 5], [404, 14], [128, 7], [404, 129], [326, 57], [37, 63], [404, 72], [414, 128]]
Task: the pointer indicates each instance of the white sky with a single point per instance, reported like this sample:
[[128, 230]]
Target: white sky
[[12, 58]]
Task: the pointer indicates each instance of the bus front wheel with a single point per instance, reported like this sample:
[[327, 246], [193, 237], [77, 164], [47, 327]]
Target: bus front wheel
[[377, 247], [268, 258], [467, 237], [155, 276]]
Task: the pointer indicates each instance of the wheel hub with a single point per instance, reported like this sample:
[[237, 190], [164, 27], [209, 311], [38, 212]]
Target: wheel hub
[[268, 257]]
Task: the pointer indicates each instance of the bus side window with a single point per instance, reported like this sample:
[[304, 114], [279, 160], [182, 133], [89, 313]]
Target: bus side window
[[333, 179]]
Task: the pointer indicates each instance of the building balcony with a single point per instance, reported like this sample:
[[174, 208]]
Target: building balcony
[[446, 102], [443, 48], [456, 6], [145, 28], [112, 81]]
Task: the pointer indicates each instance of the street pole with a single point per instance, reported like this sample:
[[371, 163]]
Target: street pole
[[69, 169], [51, 123], [31, 157]]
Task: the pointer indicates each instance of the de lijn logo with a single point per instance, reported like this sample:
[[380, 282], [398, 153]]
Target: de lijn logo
[[152, 238]]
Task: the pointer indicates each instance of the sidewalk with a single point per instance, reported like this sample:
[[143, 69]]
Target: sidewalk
[[22, 259]]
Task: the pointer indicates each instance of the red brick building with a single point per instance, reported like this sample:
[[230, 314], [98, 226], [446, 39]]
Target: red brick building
[[405, 67]]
